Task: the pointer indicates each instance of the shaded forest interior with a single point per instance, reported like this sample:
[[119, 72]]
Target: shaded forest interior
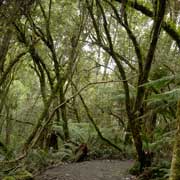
[[90, 79]]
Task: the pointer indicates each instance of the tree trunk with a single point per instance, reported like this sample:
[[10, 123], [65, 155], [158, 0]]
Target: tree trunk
[[8, 129], [64, 115], [175, 164], [144, 157], [135, 129], [75, 106]]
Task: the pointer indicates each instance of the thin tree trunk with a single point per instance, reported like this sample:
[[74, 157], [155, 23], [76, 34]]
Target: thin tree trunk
[[64, 114], [8, 129], [75, 106], [4, 47], [28, 143]]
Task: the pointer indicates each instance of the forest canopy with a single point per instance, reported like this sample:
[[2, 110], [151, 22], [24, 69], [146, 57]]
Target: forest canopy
[[99, 77]]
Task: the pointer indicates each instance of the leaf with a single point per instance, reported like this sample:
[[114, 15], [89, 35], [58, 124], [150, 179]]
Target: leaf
[[172, 95], [162, 82]]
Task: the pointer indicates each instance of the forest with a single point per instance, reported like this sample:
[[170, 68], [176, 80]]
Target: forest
[[90, 89]]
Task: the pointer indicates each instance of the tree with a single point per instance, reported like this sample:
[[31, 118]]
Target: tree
[[59, 64], [135, 110], [105, 63]]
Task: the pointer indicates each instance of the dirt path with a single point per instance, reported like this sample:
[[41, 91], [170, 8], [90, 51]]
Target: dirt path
[[89, 170]]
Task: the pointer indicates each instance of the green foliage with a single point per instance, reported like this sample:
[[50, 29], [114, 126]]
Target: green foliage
[[37, 160], [6, 153], [134, 170], [40, 159], [160, 83], [9, 178], [51, 33], [15, 172], [162, 139], [172, 95], [85, 133], [66, 152], [161, 170], [158, 171], [23, 175], [20, 175]]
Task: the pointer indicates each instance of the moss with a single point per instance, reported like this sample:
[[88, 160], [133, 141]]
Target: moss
[[175, 165], [23, 175], [20, 175], [9, 178]]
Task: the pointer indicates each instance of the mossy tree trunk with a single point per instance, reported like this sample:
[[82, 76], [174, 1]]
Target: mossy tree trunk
[[175, 164], [64, 114]]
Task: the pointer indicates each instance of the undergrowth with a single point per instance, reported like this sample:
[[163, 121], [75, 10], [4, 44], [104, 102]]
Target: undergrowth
[[84, 133]]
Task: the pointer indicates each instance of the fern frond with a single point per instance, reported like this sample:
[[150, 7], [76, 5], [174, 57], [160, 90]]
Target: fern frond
[[162, 82], [172, 95]]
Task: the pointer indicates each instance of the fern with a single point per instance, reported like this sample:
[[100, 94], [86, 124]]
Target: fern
[[162, 82], [172, 95]]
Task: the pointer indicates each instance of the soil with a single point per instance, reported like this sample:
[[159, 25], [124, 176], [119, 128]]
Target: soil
[[89, 170]]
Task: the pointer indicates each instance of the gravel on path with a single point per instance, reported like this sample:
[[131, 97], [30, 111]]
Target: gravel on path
[[89, 170]]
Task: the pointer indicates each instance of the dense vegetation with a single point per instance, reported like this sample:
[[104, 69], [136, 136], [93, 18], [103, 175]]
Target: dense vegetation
[[99, 74]]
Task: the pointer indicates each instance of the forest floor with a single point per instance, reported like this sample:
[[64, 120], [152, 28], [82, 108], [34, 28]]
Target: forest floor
[[89, 170]]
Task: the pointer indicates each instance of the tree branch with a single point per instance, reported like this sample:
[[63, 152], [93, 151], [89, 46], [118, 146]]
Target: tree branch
[[167, 26]]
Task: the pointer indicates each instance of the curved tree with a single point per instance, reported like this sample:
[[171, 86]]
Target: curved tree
[[134, 111]]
